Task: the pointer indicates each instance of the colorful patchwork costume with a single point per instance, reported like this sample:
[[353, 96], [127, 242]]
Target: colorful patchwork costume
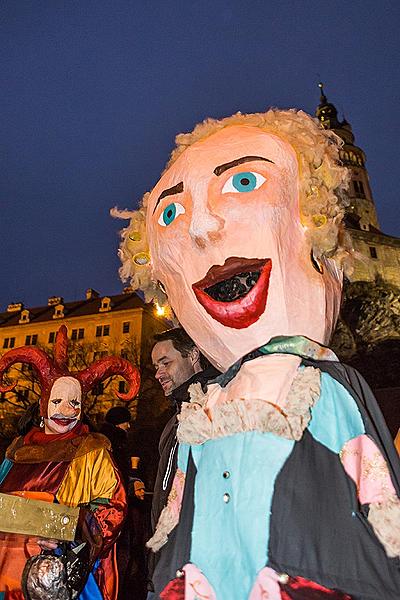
[[271, 497], [73, 467], [288, 482]]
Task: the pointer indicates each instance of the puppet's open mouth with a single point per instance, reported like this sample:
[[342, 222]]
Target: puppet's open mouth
[[233, 288], [235, 293]]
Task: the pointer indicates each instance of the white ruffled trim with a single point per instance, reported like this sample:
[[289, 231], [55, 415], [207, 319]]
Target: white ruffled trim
[[240, 415], [169, 517], [165, 525], [385, 520]]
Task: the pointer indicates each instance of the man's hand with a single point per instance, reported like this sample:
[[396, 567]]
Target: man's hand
[[47, 544]]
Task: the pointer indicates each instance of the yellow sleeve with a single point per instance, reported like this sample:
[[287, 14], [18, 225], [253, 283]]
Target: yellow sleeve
[[89, 477]]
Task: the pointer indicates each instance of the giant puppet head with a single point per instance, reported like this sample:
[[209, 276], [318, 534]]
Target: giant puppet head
[[61, 391], [244, 232]]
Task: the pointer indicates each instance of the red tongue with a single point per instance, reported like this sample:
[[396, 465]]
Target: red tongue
[[231, 267]]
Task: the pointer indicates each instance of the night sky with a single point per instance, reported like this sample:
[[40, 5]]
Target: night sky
[[93, 93]]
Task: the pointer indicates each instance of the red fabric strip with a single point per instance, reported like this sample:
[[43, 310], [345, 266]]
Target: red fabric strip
[[174, 590], [299, 588], [38, 436], [35, 477]]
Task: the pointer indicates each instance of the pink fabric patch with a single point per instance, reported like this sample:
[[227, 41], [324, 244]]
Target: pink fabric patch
[[176, 494], [366, 466], [196, 585], [266, 586]]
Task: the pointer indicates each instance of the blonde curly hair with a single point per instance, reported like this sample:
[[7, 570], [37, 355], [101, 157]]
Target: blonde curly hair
[[323, 185]]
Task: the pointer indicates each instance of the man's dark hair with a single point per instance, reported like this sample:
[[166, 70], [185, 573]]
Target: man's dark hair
[[181, 342], [179, 338]]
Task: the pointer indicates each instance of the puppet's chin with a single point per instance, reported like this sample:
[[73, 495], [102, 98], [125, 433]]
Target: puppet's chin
[[235, 293]]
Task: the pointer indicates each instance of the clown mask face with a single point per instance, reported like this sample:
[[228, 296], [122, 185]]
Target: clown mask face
[[227, 243], [64, 407]]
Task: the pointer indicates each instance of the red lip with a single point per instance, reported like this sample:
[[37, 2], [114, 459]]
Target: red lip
[[245, 311], [62, 422]]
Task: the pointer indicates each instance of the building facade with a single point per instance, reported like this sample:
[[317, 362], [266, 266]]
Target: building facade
[[121, 325]]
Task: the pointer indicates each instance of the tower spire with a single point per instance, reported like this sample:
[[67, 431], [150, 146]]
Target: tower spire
[[326, 111], [323, 99], [361, 212]]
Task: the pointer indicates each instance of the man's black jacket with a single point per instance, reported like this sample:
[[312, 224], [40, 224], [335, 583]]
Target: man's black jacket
[[168, 445], [168, 448]]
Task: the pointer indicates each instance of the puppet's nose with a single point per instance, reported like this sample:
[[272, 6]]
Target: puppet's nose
[[205, 227]]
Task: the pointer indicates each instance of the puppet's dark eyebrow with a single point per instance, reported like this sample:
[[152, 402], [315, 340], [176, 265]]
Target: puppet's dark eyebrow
[[176, 189], [219, 170]]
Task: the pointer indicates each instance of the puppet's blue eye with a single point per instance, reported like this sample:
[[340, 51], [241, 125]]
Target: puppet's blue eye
[[243, 182], [170, 213]]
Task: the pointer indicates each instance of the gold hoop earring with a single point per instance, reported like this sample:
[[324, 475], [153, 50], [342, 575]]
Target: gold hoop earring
[[316, 263], [162, 288]]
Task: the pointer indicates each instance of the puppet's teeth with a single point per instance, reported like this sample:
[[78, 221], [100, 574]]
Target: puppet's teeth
[[234, 288]]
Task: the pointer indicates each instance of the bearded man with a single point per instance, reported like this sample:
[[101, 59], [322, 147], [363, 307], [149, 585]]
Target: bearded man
[[178, 364]]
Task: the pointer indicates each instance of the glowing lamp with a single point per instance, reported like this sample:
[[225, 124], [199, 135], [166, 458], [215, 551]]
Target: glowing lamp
[[159, 310]]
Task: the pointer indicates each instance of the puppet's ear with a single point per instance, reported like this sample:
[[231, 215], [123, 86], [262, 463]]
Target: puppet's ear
[[134, 251]]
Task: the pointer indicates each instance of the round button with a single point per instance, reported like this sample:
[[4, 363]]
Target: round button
[[65, 520], [226, 498], [283, 578], [226, 474]]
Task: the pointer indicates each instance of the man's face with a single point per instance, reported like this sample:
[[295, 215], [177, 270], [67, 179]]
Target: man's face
[[172, 369], [64, 407], [228, 244], [139, 490], [124, 426]]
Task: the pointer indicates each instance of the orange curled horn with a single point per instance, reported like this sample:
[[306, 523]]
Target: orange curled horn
[[61, 349], [32, 356], [106, 367]]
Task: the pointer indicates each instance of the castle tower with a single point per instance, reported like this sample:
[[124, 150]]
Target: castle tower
[[361, 212]]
